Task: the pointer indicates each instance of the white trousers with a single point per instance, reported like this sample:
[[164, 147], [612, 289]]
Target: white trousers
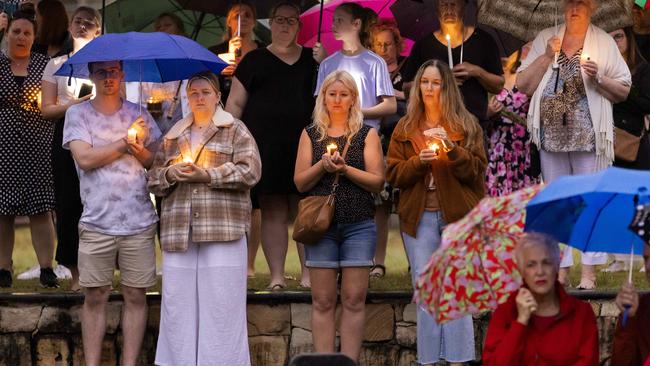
[[558, 164], [203, 311]]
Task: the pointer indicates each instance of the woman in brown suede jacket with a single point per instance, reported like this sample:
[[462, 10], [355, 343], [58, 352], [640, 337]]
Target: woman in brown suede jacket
[[437, 160]]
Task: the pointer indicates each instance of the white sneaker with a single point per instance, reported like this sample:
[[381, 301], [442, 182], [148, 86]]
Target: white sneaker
[[30, 274], [616, 266], [62, 272]]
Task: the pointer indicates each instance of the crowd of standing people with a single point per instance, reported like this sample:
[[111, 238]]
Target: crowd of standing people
[[229, 157]]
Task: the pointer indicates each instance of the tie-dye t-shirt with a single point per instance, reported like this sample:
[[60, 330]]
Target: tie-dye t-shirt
[[114, 197]]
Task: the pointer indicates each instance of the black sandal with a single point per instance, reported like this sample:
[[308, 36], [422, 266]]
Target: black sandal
[[377, 274]]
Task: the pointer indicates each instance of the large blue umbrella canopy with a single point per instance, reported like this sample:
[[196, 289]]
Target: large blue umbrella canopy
[[153, 57], [591, 212]]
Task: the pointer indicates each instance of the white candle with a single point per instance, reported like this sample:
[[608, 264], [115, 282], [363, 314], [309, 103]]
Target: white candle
[[132, 134], [331, 148], [451, 58], [584, 58]]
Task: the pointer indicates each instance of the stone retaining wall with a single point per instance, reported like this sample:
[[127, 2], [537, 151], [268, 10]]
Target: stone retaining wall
[[45, 329]]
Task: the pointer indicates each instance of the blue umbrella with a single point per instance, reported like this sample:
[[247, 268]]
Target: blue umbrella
[[591, 212], [153, 57]]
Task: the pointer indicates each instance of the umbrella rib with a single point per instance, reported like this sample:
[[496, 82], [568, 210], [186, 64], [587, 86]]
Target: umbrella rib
[[600, 210]]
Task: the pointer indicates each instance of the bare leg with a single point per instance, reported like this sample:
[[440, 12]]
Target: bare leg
[[74, 282], [275, 235], [353, 299], [254, 238], [323, 309], [42, 228], [93, 323], [305, 280], [382, 215], [6, 241], [134, 322]]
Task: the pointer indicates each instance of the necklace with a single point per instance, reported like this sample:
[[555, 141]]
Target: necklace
[[19, 64]]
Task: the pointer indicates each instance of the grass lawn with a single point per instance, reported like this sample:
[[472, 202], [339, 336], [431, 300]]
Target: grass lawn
[[397, 277]]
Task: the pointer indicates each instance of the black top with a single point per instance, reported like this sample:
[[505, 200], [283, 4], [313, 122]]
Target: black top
[[279, 106], [480, 49], [225, 81], [629, 115], [19, 79], [353, 203], [643, 42]]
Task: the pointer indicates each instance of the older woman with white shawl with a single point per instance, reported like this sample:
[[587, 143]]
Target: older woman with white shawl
[[574, 74]]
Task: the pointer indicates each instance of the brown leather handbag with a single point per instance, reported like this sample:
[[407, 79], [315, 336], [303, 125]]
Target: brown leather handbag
[[315, 213], [626, 145]]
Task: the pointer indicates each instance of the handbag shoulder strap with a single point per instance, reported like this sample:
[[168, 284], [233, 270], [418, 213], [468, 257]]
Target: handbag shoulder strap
[[338, 175]]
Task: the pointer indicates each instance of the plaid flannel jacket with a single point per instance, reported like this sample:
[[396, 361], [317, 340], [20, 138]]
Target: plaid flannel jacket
[[219, 210]]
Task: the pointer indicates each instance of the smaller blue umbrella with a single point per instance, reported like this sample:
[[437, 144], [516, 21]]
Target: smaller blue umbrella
[[591, 212], [153, 57]]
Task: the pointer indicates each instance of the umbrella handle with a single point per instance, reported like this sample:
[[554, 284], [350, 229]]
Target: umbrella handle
[[625, 314], [320, 20]]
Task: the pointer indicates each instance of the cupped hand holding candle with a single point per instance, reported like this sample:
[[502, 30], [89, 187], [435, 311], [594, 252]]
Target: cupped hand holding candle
[[435, 148], [132, 134]]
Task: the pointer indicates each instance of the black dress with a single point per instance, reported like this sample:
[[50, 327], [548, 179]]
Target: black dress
[[279, 106], [479, 49], [630, 116], [226, 81], [26, 183]]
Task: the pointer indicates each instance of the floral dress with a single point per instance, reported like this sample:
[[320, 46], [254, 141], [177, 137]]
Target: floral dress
[[509, 147]]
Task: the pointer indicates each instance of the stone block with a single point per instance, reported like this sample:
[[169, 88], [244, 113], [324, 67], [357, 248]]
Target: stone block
[[19, 319], [15, 349], [153, 318], [595, 305], [269, 350], [380, 323], [113, 316], [109, 351], [410, 313], [53, 350], [301, 342], [609, 308], [60, 320], [378, 354], [606, 328], [407, 357], [399, 312], [301, 316], [406, 334], [147, 351], [268, 320]]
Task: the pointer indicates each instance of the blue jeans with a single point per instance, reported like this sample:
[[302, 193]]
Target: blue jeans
[[344, 245], [454, 340]]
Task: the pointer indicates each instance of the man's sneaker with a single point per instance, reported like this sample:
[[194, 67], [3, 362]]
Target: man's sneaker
[[48, 278], [5, 278]]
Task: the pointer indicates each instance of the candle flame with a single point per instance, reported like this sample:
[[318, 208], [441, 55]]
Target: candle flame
[[187, 159], [448, 37], [434, 147], [132, 133], [331, 148]]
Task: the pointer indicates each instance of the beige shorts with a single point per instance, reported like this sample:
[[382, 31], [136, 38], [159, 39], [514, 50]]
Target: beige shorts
[[134, 253]]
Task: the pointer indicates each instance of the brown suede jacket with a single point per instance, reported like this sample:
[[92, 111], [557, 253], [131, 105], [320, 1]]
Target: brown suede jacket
[[459, 176]]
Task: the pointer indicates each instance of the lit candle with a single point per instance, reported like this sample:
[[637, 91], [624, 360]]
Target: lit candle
[[132, 134], [435, 148], [584, 58], [451, 58], [331, 148], [188, 160]]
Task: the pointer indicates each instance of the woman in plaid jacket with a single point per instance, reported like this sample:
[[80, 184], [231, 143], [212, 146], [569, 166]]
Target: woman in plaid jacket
[[204, 169]]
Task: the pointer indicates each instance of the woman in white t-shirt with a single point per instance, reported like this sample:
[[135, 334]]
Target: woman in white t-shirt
[[58, 94], [350, 25]]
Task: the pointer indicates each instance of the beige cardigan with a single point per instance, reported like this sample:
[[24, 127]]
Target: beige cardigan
[[603, 50]]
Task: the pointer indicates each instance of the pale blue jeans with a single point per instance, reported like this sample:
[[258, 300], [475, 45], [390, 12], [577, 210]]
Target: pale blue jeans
[[454, 340]]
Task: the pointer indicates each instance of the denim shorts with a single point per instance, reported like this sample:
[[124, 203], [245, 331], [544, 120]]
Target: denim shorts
[[344, 245]]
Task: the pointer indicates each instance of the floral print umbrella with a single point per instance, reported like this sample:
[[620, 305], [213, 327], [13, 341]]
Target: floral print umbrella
[[474, 269]]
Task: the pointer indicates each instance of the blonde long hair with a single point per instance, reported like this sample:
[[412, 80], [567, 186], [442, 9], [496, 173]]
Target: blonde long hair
[[456, 119], [321, 115]]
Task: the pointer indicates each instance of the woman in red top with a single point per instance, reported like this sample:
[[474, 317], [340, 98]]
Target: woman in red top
[[541, 324]]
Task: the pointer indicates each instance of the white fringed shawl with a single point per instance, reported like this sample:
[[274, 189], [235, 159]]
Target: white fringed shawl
[[602, 49]]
